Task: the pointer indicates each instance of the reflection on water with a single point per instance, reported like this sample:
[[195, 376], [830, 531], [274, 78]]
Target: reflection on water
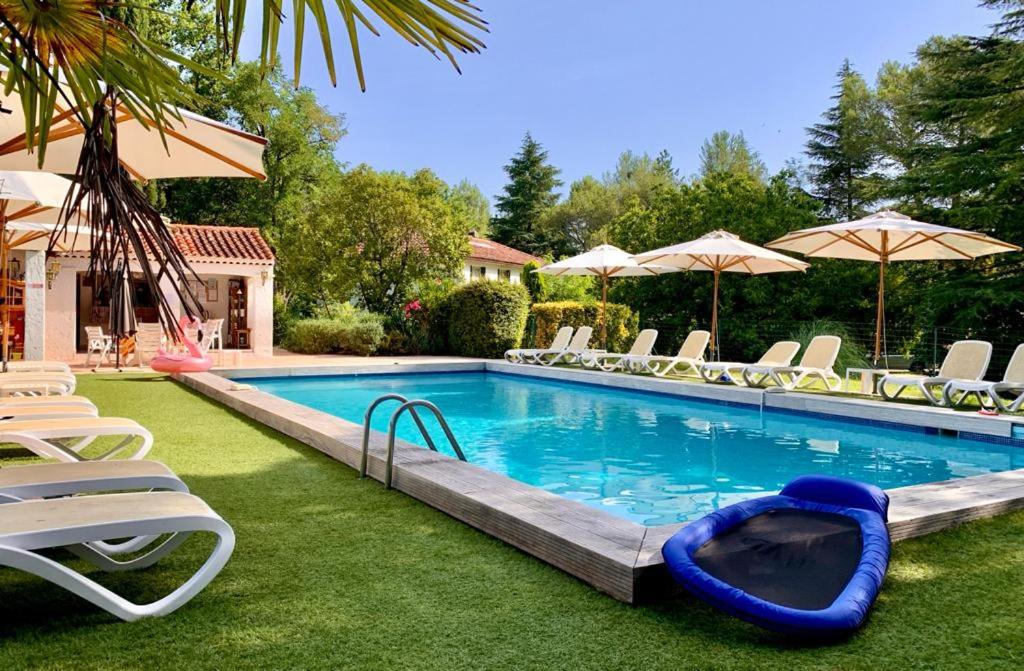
[[651, 459]]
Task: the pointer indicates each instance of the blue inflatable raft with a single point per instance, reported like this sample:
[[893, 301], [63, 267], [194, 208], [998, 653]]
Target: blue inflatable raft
[[809, 561]]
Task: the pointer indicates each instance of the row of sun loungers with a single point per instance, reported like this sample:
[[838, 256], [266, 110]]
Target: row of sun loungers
[[774, 367], [117, 514], [959, 378]]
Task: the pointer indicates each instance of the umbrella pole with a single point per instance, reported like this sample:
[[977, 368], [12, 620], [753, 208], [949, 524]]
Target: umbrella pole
[[4, 254], [880, 316], [604, 311], [714, 319]]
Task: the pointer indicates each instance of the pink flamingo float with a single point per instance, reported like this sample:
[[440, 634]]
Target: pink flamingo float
[[195, 361]]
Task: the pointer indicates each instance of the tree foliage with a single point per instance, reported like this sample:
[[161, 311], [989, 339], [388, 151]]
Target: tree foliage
[[373, 237], [529, 194], [728, 153]]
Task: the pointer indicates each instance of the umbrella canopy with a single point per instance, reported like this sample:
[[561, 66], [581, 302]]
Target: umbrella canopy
[[890, 236], [604, 261], [718, 252], [196, 145], [30, 205]]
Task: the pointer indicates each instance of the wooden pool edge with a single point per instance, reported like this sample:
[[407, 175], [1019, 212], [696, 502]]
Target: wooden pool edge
[[616, 556]]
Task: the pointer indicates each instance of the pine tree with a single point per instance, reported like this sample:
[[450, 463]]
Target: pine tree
[[530, 192], [843, 148]]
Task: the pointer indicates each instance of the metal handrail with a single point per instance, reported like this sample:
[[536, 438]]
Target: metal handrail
[[366, 428], [411, 407]]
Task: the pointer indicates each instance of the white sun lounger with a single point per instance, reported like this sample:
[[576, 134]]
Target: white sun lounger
[[571, 354], [38, 367], [778, 355], [79, 523], [36, 481], [44, 401], [966, 360], [558, 344], [24, 413], [63, 439], [688, 359], [816, 363], [607, 361], [37, 384], [990, 394]]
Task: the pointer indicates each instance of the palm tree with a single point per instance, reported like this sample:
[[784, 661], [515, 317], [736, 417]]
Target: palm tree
[[81, 60], [91, 43]]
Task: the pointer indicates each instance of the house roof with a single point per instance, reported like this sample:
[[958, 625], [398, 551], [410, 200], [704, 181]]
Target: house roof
[[482, 249], [224, 244], [237, 245]]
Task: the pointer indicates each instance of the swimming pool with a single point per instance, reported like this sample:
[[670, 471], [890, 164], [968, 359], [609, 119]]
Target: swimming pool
[[653, 459]]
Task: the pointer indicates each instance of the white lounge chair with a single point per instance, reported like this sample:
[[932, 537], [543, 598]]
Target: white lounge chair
[[37, 481], [44, 401], [577, 347], [64, 439], [966, 360], [149, 338], [778, 355], [79, 523], [558, 344], [990, 394], [25, 413], [42, 366], [688, 359], [816, 363], [37, 384], [609, 361]]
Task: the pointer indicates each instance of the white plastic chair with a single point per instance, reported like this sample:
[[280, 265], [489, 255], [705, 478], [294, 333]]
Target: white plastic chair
[[97, 343]]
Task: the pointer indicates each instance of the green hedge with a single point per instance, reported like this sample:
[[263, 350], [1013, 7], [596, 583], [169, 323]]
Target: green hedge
[[623, 323], [483, 319], [353, 333]]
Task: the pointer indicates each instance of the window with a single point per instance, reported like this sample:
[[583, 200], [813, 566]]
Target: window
[[505, 275], [481, 272]]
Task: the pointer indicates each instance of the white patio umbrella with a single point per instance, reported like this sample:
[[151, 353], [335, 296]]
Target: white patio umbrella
[[30, 205], [888, 236], [196, 145], [604, 261], [721, 252]]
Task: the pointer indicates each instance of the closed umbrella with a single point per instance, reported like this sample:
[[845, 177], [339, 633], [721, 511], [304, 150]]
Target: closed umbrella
[[122, 311], [888, 236], [604, 261], [721, 252]]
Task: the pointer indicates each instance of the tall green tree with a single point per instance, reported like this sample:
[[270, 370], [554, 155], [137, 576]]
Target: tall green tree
[[525, 199], [727, 153], [374, 237], [473, 207], [844, 148]]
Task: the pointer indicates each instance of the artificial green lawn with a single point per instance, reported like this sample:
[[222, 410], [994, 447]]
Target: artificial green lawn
[[334, 572]]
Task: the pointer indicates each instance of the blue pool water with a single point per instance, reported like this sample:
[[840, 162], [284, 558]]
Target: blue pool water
[[650, 458]]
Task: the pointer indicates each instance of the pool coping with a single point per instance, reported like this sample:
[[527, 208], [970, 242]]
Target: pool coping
[[618, 557]]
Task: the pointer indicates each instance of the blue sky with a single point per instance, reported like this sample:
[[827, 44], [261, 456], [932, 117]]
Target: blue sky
[[591, 79]]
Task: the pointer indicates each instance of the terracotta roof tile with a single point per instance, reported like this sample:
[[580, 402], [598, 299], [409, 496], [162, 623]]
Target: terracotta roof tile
[[233, 244], [481, 249]]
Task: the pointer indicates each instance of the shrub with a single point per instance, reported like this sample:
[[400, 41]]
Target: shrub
[[483, 319], [549, 288], [354, 331], [623, 323], [851, 353]]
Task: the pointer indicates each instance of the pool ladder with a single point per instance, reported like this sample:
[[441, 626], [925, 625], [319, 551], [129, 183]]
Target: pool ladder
[[410, 406]]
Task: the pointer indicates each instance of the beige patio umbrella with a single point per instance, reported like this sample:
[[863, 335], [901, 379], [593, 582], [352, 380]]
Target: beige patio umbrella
[[721, 252], [604, 261], [888, 236], [30, 205], [196, 145]]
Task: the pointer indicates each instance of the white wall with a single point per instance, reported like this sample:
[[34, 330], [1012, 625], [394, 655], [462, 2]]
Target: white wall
[[61, 308], [471, 271]]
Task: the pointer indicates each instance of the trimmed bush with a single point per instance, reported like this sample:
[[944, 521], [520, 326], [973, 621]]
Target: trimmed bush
[[483, 319], [623, 323], [354, 332]]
